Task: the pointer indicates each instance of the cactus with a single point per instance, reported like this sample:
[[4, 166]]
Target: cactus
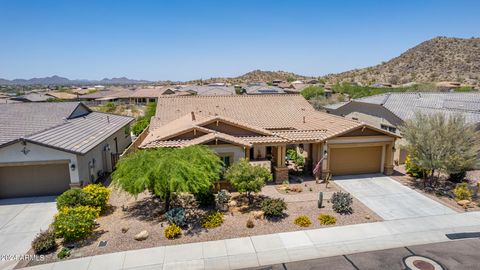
[[320, 199]]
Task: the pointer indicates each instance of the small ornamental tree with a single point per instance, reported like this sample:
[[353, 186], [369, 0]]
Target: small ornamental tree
[[164, 171], [247, 178]]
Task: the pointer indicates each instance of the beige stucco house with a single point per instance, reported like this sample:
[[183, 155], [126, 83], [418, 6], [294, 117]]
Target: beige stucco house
[[45, 148], [388, 111], [261, 128]]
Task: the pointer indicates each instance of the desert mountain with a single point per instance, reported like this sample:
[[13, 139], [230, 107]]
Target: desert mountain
[[438, 59]]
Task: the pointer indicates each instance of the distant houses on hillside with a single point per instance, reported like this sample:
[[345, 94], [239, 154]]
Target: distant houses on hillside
[[144, 95]]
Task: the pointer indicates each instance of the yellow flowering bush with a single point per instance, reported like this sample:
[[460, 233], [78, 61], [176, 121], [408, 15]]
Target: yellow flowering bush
[[172, 231], [212, 220], [98, 195], [326, 219], [302, 221], [75, 223]]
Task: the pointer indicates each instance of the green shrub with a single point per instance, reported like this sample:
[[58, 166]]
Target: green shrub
[[44, 242], [72, 198], [250, 224], [64, 253], [172, 231], [176, 216], [342, 203], [212, 220], [293, 155], [139, 126], [75, 223], [462, 192], [457, 177], [313, 91], [273, 207], [326, 219], [303, 221], [99, 196], [205, 198]]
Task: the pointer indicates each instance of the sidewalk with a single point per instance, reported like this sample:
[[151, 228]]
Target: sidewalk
[[283, 247]]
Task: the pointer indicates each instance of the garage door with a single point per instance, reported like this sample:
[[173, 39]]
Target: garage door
[[355, 160], [33, 180]]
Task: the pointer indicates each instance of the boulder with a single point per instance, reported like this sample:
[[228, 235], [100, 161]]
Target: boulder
[[258, 214], [143, 235], [464, 203], [125, 229], [232, 203]]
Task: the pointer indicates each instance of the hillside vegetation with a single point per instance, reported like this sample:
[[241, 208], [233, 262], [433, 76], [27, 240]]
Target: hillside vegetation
[[435, 60]]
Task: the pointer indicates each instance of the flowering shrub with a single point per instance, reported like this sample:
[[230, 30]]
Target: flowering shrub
[[75, 223], [212, 220], [172, 231], [303, 221], [462, 192], [98, 195], [73, 197], [326, 219]]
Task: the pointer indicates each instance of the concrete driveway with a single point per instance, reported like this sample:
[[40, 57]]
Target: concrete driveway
[[21, 220], [390, 199]]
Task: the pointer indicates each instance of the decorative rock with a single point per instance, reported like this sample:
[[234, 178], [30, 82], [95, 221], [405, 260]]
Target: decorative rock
[[143, 235], [125, 229], [258, 214], [232, 203], [368, 217], [463, 203]]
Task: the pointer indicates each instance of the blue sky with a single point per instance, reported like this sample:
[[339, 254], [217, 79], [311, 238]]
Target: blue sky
[[183, 40]]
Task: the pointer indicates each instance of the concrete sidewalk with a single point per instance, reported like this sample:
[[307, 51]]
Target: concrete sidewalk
[[283, 247]]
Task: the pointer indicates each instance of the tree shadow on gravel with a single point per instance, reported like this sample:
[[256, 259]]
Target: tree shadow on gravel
[[149, 209]]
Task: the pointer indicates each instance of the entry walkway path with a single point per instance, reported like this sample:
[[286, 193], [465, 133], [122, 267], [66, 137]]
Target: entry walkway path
[[283, 247], [390, 199]]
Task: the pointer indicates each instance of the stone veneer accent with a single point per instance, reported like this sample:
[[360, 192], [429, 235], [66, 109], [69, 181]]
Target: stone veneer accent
[[280, 174]]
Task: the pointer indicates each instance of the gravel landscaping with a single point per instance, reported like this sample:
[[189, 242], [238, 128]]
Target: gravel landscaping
[[443, 192], [129, 216]]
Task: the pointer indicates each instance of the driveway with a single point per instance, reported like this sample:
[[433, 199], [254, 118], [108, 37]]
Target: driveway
[[21, 220], [390, 199]]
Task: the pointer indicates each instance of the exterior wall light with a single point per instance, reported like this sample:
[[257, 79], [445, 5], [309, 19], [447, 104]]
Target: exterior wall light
[[72, 166]]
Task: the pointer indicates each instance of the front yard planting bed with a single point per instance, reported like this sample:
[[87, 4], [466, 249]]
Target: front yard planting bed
[[129, 216], [442, 192]]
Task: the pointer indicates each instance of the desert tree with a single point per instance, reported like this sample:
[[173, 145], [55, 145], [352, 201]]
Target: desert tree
[[165, 171], [441, 143], [247, 178]]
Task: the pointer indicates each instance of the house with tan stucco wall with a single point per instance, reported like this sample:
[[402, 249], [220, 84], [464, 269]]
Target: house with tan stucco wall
[[261, 129], [46, 148]]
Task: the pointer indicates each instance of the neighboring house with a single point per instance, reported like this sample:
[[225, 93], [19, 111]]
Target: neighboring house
[[207, 90], [46, 148], [388, 111], [32, 97], [143, 96], [262, 127], [117, 95], [261, 89], [61, 95]]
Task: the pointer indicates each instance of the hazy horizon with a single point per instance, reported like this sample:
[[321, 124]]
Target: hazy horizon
[[187, 40]]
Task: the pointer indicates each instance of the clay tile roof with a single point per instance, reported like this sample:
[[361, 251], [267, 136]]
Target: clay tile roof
[[278, 118]]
